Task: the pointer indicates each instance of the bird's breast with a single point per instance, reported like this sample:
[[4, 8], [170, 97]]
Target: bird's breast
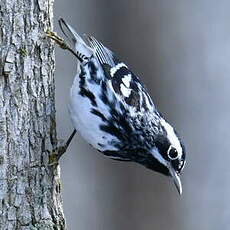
[[90, 110]]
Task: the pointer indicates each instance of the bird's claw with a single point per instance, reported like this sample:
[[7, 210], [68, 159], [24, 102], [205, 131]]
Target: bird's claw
[[62, 44], [60, 41], [56, 153], [60, 150]]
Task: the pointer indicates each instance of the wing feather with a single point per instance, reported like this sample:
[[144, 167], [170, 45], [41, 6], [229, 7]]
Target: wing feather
[[124, 83]]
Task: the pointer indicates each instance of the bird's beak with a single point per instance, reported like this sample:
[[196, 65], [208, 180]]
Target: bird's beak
[[176, 180]]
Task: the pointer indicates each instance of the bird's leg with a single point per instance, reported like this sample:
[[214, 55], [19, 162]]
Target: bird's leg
[[59, 151], [61, 42]]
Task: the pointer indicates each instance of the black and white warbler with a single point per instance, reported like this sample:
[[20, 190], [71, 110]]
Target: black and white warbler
[[113, 112]]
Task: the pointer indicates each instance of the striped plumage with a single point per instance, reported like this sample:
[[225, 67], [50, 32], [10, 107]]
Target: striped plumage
[[113, 112]]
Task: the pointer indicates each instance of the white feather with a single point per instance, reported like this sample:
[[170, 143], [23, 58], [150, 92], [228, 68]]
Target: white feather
[[172, 136], [125, 91], [85, 122], [127, 79], [116, 68]]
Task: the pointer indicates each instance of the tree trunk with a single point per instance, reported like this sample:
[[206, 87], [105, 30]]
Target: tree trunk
[[29, 186]]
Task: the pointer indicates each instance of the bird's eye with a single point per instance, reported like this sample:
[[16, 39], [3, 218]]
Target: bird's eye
[[172, 153]]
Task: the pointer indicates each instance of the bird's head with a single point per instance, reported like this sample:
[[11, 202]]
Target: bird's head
[[168, 154]]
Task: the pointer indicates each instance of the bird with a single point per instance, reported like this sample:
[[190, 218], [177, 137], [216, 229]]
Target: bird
[[112, 110]]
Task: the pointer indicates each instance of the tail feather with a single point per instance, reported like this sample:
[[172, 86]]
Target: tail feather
[[81, 48]]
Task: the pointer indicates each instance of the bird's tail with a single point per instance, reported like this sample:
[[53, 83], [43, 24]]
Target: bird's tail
[[83, 50]]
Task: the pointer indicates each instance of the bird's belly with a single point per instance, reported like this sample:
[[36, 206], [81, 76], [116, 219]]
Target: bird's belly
[[86, 122]]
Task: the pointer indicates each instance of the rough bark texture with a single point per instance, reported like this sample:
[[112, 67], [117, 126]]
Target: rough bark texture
[[29, 187]]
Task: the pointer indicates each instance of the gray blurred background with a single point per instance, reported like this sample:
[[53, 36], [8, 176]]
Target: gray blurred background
[[181, 50]]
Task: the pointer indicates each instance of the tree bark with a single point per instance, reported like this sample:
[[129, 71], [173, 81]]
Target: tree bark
[[29, 187]]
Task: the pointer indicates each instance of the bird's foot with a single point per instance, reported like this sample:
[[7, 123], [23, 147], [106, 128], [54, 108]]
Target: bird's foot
[[62, 44], [56, 153], [60, 150], [60, 41]]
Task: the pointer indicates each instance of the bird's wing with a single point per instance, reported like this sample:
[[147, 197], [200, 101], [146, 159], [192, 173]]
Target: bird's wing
[[124, 83]]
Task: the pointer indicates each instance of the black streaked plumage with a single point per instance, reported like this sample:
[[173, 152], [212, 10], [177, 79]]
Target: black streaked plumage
[[112, 110]]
